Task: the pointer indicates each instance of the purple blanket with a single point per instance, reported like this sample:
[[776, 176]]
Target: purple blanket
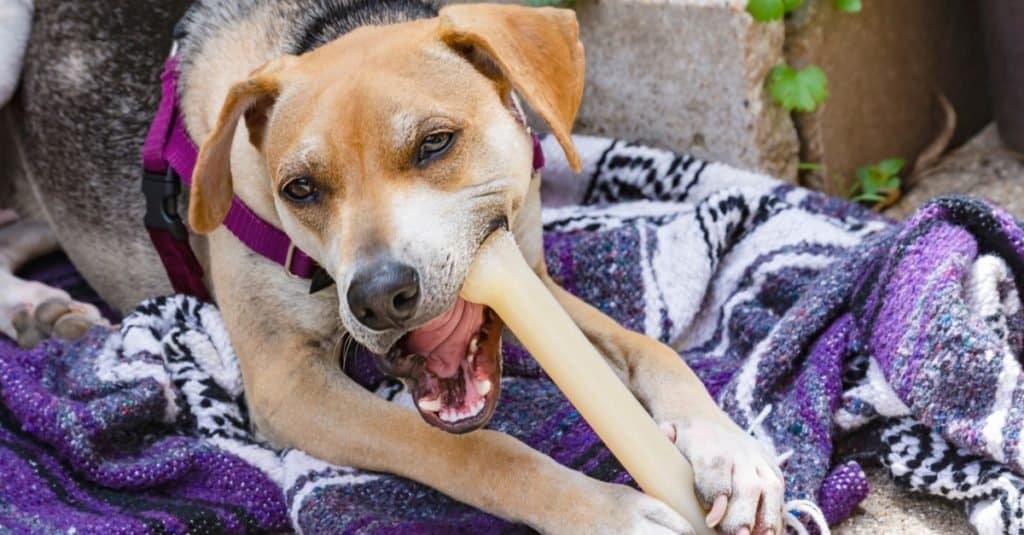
[[807, 317]]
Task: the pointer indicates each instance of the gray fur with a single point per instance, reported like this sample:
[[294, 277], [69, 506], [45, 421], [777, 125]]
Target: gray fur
[[90, 88], [298, 25]]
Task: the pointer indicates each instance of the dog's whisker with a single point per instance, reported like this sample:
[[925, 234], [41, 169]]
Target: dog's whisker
[[348, 346]]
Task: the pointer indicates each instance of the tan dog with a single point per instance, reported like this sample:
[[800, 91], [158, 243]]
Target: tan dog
[[388, 154]]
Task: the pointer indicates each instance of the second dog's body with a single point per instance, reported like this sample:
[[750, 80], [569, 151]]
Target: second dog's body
[[386, 142]]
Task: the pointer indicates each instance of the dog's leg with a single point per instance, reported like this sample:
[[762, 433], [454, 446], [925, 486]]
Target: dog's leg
[[735, 476], [300, 398], [30, 311]]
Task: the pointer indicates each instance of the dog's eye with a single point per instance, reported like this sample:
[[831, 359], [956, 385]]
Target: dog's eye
[[434, 145], [301, 190]]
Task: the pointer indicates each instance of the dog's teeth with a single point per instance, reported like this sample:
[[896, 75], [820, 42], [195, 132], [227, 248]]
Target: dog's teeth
[[476, 408], [483, 386], [430, 405]]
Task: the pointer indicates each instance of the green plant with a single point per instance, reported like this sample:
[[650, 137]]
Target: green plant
[[800, 90], [876, 183], [766, 10], [849, 6]]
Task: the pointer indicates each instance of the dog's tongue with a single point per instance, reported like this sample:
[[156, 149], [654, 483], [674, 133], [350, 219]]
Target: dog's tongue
[[444, 340]]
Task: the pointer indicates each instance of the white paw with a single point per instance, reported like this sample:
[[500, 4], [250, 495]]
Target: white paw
[[736, 478], [30, 312], [623, 510]]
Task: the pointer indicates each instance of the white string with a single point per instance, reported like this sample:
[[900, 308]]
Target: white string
[[758, 420], [761, 416], [808, 508]]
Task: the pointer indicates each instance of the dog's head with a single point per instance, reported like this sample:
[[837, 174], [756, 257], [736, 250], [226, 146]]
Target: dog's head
[[392, 153]]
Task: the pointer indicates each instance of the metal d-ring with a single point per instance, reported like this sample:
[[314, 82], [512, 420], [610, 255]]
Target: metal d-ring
[[288, 261]]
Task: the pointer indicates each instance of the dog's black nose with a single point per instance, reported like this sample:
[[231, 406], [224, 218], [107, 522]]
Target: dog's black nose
[[384, 295]]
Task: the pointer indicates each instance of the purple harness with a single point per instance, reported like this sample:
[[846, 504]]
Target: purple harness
[[168, 159]]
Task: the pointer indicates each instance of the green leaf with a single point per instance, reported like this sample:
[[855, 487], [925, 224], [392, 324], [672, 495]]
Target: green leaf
[[766, 10], [864, 174], [809, 166], [849, 6], [876, 182], [891, 166], [873, 197], [797, 90], [792, 4]]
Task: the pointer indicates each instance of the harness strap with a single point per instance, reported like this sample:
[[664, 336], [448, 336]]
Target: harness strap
[[161, 187], [169, 158]]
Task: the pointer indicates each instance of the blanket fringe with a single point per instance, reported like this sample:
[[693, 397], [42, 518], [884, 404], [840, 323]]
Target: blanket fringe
[[760, 418], [809, 508]]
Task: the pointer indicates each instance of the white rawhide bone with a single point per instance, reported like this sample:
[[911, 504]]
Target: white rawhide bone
[[501, 279]]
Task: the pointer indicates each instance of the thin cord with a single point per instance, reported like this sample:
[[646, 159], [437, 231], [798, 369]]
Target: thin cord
[[809, 508]]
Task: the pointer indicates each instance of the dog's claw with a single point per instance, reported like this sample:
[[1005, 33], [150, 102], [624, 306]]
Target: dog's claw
[[717, 512], [670, 431], [72, 326], [22, 319], [29, 338], [49, 312]]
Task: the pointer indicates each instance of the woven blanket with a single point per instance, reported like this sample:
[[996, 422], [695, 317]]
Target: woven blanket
[[805, 316]]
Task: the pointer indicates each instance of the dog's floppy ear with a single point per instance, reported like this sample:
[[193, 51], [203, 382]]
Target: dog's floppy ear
[[212, 189], [536, 50]]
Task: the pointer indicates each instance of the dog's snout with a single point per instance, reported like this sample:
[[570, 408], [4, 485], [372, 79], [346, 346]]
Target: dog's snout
[[384, 295]]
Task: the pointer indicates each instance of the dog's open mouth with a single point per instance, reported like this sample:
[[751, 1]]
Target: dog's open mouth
[[453, 366]]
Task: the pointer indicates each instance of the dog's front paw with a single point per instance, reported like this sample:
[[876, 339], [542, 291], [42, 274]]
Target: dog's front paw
[[610, 509], [736, 478]]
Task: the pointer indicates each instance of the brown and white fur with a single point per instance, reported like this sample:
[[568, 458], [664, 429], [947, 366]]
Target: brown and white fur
[[349, 115]]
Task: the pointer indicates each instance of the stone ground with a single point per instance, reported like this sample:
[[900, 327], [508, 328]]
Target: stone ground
[[983, 167], [890, 509]]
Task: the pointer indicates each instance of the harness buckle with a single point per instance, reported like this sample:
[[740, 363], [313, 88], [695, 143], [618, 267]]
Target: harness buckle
[[162, 191]]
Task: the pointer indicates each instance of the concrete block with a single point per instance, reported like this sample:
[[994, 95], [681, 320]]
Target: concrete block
[[685, 75]]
